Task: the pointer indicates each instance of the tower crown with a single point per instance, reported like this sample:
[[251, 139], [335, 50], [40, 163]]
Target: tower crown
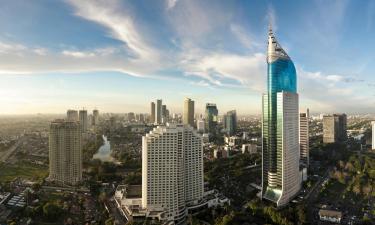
[[275, 51]]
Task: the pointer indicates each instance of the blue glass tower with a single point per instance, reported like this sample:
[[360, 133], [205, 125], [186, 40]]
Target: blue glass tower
[[280, 181]]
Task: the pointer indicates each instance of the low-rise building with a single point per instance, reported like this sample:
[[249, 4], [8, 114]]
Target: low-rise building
[[249, 148], [330, 215]]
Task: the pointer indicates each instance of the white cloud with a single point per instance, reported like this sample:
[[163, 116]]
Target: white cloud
[[171, 4], [111, 15], [78, 54]]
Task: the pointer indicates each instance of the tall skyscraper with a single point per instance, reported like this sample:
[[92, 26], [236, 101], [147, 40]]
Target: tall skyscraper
[[95, 117], [188, 117], [230, 122], [72, 115], [304, 138], [83, 120], [211, 118], [334, 128], [172, 170], [152, 118], [158, 111], [373, 134], [65, 153], [281, 179]]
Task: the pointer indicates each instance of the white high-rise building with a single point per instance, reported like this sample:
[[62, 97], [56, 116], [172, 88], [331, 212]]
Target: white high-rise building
[[172, 170], [200, 125], [304, 138], [373, 134], [83, 120], [65, 153], [72, 115]]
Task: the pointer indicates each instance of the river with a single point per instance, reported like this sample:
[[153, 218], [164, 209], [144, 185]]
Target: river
[[104, 152]]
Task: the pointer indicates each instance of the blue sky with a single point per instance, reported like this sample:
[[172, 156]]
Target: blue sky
[[120, 55]]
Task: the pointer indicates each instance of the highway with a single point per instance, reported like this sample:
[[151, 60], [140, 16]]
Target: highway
[[6, 154]]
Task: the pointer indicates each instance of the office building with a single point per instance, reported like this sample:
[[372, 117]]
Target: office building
[[152, 117], [334, 128], [230, 122], [304, 138], [95, 117], [158, 111], [211, 118], [281, 179], [200, 125], [172, 170], [72, 115], [83, 120], [188, 117], [65, 154], [131, 117]]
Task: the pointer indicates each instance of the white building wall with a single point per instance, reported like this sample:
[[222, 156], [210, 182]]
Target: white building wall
[[65, 153], [172, 169], [291, 179]]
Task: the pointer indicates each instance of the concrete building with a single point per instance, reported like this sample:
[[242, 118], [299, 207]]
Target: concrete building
[[304, 138], [131, 117], [281, 179], [330, 215], [230, 122], [172, 170], [334, 128], [83, 120], [158, 111], [188, 117], [72, 115], [65, 153], [95, 117], [152, 117], [249, 148], [200, 125]]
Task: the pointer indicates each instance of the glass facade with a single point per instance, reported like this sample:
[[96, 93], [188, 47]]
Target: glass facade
[[282, 76]]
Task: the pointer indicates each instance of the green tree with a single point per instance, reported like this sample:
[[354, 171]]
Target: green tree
[[51, 211]]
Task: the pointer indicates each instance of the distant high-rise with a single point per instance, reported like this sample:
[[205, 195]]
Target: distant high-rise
[[131, 117], [65, 154], [281, 179], [158, 111], [304, 138], [95, 117], [211, 118], [230, 122], [188, 117], [200, 125], [152, 118], [373, 134], [164, 114], [334, 128], [83, 120], [72, 115], [172, 170]]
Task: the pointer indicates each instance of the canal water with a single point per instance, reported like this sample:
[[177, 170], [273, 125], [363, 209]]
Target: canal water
[[104, 152]]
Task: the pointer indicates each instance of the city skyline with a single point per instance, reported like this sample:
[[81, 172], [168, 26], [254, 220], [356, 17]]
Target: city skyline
[[115, 57]]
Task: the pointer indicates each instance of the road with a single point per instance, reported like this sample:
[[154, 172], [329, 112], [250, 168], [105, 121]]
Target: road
[[313, 194], [4, 156], [118, 217]]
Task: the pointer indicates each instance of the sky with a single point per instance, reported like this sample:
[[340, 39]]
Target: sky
[[118, 56]]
